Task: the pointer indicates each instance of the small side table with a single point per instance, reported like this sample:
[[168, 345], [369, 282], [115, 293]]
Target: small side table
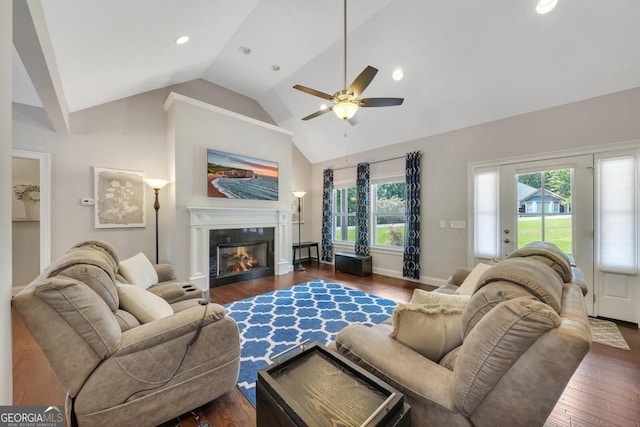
[[305, 245]]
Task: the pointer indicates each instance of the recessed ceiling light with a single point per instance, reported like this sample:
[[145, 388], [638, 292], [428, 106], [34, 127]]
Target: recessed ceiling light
[[397, 75], [546, 6], [182, 39], [245, 50], [275, 67]]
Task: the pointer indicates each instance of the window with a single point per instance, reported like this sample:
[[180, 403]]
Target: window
[[344, 214], [617, 214], [388, 209], [387, 214], [544, 208], [486, 214]]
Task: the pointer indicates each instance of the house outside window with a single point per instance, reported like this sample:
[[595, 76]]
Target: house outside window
[[344, 214], [388, 214]]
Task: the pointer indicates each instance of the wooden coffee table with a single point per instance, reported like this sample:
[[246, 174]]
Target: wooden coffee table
[[318, 387]]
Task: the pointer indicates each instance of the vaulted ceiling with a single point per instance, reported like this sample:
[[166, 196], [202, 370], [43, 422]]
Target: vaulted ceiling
[[465, 62]]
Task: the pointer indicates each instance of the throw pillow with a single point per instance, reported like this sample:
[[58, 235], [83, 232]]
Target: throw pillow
[[471, 282], [420, 296], [145, 306], [139, 271], [431, 330]]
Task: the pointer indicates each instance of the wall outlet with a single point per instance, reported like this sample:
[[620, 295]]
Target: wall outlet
[[458, 224], [87, 202]]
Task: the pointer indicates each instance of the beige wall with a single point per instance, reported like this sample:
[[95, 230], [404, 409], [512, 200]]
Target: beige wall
[[301, 180], [126, 134], [195, 129], [6, 14], [603, 120]]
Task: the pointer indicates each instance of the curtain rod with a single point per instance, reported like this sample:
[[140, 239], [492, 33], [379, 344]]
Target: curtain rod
[[371, 163]]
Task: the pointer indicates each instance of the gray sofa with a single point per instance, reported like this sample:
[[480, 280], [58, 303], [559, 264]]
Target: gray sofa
[[117, 371], [524, 333]]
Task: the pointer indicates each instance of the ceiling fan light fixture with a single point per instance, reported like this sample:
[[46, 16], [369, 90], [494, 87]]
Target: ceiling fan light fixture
[[345, 109], [546, 6], [397, 75]]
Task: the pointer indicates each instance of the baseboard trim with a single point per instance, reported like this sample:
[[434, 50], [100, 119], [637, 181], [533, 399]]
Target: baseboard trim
[[427, 280]]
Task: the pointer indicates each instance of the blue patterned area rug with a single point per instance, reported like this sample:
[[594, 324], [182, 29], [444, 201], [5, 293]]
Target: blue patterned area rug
[[275, 321]]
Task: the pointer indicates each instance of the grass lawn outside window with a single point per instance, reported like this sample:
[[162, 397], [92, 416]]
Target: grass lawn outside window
[[557, 230]]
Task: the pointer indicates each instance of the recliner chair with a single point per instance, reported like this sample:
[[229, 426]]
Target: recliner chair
[[524, 332], [114, 375]]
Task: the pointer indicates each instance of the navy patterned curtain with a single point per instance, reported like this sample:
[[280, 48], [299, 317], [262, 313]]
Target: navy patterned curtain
[[411, 264], [327, 219], [362, 209]]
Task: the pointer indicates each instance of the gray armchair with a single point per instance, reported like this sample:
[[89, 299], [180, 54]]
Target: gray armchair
[[132, 375]]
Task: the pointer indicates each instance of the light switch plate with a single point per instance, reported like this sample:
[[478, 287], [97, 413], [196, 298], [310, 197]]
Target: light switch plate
[[443, 223], [458, 224]]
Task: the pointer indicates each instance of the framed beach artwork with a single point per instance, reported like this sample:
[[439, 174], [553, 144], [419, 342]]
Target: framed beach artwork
[[119, 198], [234, 176]]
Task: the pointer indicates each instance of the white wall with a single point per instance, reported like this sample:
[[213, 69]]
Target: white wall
[[126, 134], [197, 128], [6, 382], [603, 120]]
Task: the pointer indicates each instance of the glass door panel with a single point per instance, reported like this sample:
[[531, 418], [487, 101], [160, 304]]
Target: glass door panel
[[544, 207]]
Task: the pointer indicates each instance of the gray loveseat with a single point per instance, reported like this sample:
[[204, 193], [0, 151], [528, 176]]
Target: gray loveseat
[[524, 333], [117, 371]]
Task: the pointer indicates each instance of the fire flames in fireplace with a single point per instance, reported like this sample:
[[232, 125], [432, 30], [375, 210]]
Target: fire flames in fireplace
[[241, 260], [240, 254]]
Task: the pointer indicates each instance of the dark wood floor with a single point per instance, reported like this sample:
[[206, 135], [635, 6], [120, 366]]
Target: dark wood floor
[[604, 391]]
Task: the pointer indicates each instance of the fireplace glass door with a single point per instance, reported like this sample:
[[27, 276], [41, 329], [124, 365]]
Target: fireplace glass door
[[239, 258]]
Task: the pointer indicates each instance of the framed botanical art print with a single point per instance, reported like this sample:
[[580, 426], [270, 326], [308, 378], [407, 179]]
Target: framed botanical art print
[[119, 198]]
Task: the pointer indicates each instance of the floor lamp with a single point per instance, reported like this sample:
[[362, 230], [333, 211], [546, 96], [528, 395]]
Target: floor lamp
[[299, 195], [157, 185]]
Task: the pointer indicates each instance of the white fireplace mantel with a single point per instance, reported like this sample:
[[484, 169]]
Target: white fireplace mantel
[[203, 219]]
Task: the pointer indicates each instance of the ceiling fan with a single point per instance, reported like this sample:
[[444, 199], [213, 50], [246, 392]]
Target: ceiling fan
[[347, 101]]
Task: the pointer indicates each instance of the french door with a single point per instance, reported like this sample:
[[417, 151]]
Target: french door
[[588, 205], [550, 200]]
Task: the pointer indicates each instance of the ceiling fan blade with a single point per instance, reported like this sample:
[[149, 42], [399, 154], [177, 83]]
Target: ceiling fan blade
[[314, 92], [362, 81], [380, 102], [317, 113]]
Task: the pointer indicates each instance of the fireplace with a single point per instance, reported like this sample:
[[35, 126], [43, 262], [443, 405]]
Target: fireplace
[[202, 220], [240, 254]]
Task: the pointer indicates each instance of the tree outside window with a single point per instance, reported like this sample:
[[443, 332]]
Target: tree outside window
[[389, 214]]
